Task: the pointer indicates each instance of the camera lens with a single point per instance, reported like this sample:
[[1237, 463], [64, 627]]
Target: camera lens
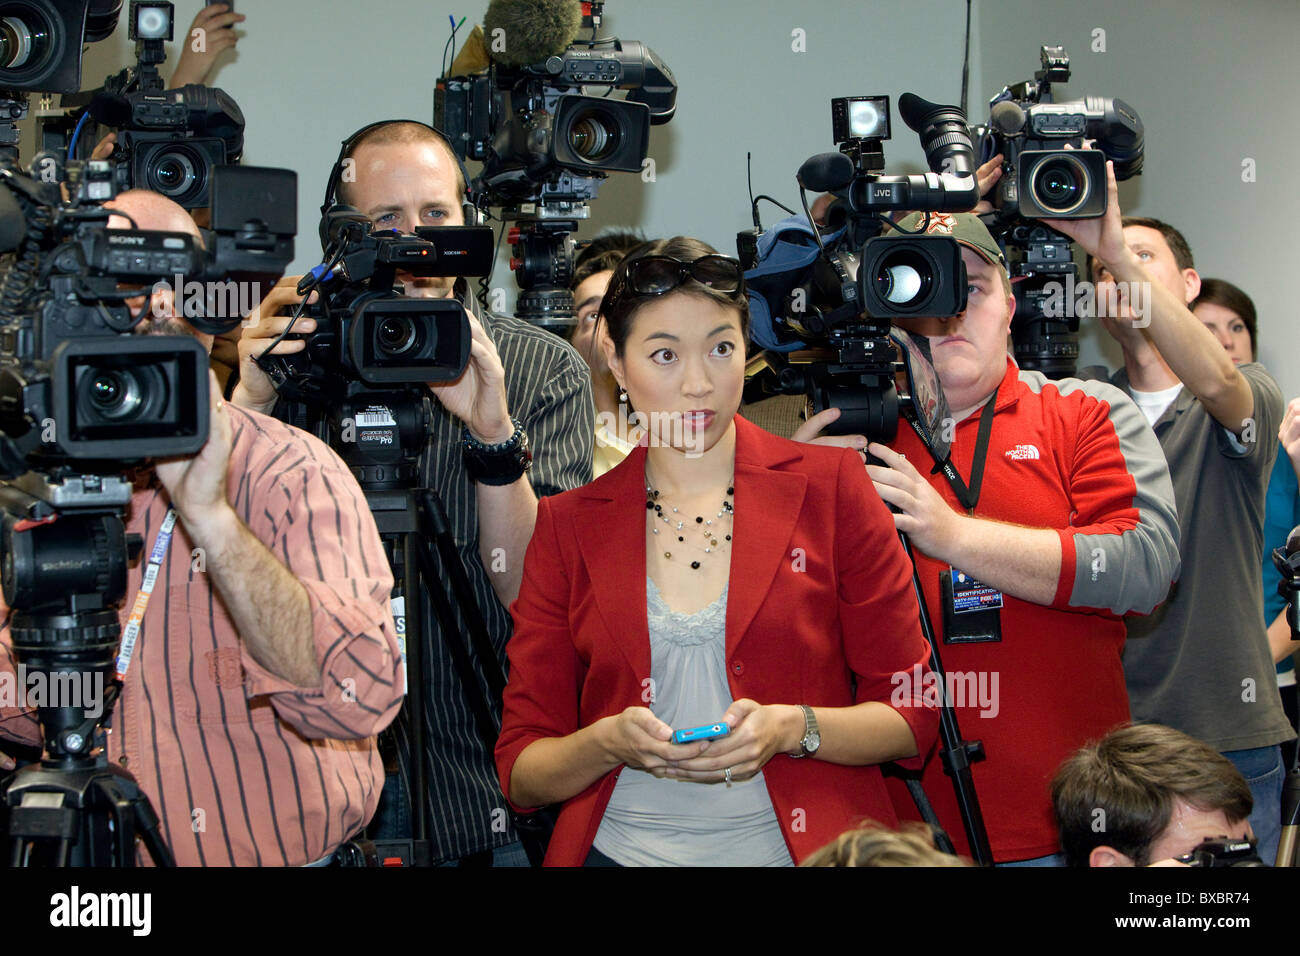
[[1059, 185], [395, 335], [21, 44], [593, 136], [113, 393], [172, 174], [903, 278]]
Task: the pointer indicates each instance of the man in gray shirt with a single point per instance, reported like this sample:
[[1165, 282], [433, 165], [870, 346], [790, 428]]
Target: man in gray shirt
[[1200, 663]]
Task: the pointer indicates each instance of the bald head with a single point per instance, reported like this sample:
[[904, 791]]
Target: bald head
[[154, 212], [150, 211]]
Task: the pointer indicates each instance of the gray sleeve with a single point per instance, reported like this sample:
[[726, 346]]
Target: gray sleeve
[[1125, 530], [1258, 442]]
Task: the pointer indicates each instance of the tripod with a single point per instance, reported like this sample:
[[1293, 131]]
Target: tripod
[[388, 433], [73, 808]]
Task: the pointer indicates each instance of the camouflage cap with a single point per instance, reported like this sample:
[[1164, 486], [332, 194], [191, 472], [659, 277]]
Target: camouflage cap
[[965, 227]]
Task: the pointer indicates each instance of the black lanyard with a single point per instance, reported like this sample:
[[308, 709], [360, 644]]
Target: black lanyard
[[968, 496]]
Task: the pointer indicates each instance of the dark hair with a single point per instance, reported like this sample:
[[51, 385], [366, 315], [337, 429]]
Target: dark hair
[[1174, 239], [603, 254], [403, 131], [620, 304], [1120, 791], [1224, 293]]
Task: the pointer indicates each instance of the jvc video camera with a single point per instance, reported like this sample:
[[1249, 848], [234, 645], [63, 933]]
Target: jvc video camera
[[168, 141], [824, 299]]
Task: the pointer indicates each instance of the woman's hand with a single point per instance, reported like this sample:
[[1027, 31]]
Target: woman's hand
[[642, 741], [758, 733]]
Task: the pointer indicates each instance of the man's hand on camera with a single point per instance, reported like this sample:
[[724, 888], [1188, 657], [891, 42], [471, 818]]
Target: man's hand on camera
[[478, 397], [810, 432], [260, 327], [197, 485], [217, 24], [1103, 237], [987, 176]]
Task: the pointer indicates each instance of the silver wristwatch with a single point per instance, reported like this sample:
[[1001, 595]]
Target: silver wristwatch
[[812, 738]]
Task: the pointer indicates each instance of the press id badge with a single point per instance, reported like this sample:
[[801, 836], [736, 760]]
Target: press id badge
[[972, 611]]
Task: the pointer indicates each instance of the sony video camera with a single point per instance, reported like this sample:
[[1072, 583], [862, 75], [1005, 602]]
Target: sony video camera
[[824, 300], [546, 143], [359, 383], [76, 385], [367, 332], [1043, 179]]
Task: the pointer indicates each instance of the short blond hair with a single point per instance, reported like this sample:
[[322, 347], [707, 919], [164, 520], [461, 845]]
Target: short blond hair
[[874, 845]]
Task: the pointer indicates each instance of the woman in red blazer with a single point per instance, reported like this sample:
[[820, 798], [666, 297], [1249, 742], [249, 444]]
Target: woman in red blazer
[[814, 670]]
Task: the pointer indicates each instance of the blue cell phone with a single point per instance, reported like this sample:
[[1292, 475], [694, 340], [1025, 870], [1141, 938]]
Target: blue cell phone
[[696, 734]]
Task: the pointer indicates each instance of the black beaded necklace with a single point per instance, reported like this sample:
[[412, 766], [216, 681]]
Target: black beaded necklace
[[660, 509]]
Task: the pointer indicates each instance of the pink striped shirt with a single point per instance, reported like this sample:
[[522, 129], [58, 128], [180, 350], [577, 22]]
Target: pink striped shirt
[[243, 767]]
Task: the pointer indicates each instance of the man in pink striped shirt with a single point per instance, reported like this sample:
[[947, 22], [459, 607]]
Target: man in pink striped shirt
[[267, 660]]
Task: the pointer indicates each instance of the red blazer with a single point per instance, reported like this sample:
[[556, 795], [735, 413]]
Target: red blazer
[[820, 611]]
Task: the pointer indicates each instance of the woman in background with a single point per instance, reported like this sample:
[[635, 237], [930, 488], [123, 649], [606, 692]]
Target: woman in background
[[1230, 314]]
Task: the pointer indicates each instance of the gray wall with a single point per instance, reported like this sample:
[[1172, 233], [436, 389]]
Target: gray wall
[[1208, 77]]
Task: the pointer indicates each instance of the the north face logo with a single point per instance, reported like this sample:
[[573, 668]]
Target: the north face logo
[[1023, 453]]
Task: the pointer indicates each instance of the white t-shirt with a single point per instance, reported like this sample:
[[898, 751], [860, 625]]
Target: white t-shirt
[[1153, 404]]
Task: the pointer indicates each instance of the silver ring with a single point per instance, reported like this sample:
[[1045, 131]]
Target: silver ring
[[726, 775]]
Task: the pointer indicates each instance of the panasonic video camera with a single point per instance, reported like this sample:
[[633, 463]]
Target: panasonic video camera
[[824, 299], [1050, 171]]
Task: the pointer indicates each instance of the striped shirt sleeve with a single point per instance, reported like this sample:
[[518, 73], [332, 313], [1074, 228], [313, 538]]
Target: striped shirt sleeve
[[314, 518]]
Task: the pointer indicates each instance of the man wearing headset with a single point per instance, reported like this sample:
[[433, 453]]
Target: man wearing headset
[[517, 424]]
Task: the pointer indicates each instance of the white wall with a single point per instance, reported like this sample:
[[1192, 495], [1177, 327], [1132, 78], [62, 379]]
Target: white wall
[[1215, 83], [1210, 78]]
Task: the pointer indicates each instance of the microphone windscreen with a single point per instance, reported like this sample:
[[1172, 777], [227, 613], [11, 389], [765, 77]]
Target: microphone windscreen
[[530, 30], [1007, 117], [826, 172]]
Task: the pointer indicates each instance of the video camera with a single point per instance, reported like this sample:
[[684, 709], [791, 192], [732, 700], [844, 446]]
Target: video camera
[[365, 365], [824, 301], [75, 384], [1050, 172], [546, 145], [169, 141]]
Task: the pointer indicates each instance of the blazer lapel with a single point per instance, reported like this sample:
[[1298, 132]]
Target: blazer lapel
[[611, 540], [767, 503]]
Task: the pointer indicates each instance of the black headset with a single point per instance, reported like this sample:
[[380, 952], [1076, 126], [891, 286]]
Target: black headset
[[472, 214]]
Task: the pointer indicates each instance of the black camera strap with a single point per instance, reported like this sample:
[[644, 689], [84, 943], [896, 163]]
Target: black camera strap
[[970, 495]]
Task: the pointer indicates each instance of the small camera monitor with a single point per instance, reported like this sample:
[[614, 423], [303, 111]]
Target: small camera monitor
[[150, 21], [859, 117]]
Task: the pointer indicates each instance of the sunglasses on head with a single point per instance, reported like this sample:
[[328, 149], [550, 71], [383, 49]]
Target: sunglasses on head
[[655, 275]]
